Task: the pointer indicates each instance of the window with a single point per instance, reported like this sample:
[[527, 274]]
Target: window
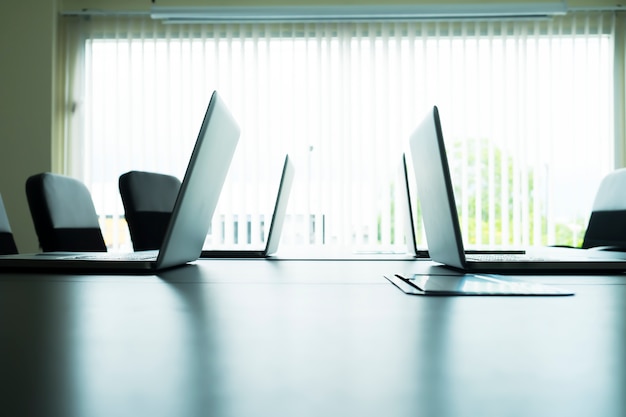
[[526, 106]]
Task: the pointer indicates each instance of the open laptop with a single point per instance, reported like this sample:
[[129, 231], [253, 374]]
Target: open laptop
[[191, 216], [276, 224], [407, 210], [441, 221], [410, 226]]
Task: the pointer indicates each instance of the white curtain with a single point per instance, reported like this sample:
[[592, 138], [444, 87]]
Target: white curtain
[[526, 107]]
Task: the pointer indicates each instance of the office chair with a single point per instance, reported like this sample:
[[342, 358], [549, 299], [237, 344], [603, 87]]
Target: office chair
[[607, 223], [63, 213], [7, 243], [148, 200]]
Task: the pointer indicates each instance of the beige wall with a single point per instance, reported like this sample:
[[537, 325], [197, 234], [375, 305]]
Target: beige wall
[[145, 4], [27, 45]]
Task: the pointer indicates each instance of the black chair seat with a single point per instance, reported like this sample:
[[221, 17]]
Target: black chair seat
[[148, 199], [63, 214], [7, 242], [607, 223]]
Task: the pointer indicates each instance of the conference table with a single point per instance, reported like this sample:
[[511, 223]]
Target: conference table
[[280, 337]]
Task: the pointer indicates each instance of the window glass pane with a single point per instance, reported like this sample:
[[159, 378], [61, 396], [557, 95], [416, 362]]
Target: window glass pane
[[527, 112]]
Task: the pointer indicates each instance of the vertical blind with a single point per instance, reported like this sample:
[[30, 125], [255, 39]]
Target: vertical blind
[[526, 107]]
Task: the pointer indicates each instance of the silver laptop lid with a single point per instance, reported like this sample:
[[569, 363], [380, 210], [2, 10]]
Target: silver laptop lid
[[436, 195], [278, 216], [201, 186], [407, 205]]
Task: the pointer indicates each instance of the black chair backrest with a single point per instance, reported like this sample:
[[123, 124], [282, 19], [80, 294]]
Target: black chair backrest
[[63, 214], [148, 199], [607, 224], [7, 242]]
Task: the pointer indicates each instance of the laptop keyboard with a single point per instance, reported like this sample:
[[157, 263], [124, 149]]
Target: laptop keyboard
[[134, 257], [507, 257]]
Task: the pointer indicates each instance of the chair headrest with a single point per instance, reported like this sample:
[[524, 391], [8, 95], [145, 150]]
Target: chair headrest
[[68, 200]]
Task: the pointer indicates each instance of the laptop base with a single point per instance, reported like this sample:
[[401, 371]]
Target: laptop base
[[229, 254]]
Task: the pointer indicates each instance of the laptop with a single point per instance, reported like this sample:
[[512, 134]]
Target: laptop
[[276, 224], [410, 226], [191, 216], [407, 210], [441, 221]]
